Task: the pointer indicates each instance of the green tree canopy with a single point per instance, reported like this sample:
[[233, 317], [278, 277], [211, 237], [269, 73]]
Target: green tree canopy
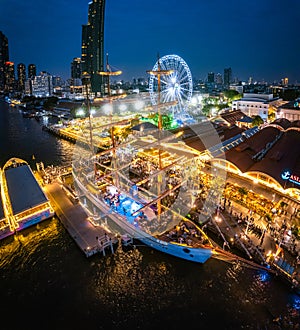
[[257, 121], [232, 94], [167, 121]]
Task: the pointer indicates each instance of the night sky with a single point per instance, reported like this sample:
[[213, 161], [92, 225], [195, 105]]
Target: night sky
[[258, 38]]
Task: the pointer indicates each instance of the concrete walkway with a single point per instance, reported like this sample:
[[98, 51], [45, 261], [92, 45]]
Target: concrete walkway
[[90, 239]]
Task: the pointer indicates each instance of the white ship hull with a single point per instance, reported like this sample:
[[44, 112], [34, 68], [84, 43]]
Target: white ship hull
[[121, 225]]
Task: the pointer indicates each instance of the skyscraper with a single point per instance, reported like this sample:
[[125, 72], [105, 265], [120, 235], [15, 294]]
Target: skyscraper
[[92, 48], [31, 71], [219, 79], [9, 73], [210, 77], [227, 77], [21, 72], [75, 70], [3, 58]]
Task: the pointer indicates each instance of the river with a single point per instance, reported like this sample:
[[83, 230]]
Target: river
[[46, 282]]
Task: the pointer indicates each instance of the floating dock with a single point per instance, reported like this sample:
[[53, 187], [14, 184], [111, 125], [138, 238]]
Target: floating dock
[[23, 200], [90, 239]]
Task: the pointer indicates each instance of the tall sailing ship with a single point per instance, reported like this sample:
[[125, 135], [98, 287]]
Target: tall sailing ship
[[145, 185]]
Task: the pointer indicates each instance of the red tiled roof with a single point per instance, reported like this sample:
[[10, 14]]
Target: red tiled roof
[[284, 123], [282, 155], [241, 156], [232, 116]]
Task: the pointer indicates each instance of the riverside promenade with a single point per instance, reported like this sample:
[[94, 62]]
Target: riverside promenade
[[89, 238]]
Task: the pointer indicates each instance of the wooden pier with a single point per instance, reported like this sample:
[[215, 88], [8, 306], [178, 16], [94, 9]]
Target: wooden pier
[[89, 238]]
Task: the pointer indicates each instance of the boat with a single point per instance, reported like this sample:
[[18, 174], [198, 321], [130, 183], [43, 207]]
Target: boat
[[142, 187], [21, 208], [125, 212]]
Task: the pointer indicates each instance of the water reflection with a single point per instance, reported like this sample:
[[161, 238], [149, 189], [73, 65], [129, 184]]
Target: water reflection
[[44, 275], [24, 244], [24, 138]]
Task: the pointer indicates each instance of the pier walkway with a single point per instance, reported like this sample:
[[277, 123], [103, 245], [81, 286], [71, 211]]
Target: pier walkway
[[90, 239]]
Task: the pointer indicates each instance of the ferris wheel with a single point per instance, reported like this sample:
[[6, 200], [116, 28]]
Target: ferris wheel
[[176, 86]]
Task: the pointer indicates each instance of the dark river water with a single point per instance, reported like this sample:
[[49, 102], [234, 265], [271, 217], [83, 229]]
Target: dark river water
[[46, 282]]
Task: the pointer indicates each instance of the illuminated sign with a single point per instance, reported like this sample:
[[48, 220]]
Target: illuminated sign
[[286, 175]]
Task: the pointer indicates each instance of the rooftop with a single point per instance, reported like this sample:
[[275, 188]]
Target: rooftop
[[270, 151], [23, 189]]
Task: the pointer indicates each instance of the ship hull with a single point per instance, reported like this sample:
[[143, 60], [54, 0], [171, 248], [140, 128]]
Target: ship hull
[[118, 223]]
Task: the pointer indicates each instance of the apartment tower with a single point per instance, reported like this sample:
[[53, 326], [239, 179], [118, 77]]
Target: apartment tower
[[92, 47], [3, 59]]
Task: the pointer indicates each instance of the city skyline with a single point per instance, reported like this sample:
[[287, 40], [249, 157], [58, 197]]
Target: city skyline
[[257, 39]]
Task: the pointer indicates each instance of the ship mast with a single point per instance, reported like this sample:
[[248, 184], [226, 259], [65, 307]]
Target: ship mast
[[158, 73], [85, 80], [107, 73]]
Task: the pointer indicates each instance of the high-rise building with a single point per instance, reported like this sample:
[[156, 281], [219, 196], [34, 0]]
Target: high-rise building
[[227, 77], [210, 77], [75, 70], [21, 73], [3, 58], [31, 71], [42, 85], [92, 48], [57, 81], [9, 73], [285, 81], [219, 79]]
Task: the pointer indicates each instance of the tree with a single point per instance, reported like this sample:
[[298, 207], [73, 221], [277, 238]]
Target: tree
[[207, 109], [232, 94], [166, 120], [257, 121]]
